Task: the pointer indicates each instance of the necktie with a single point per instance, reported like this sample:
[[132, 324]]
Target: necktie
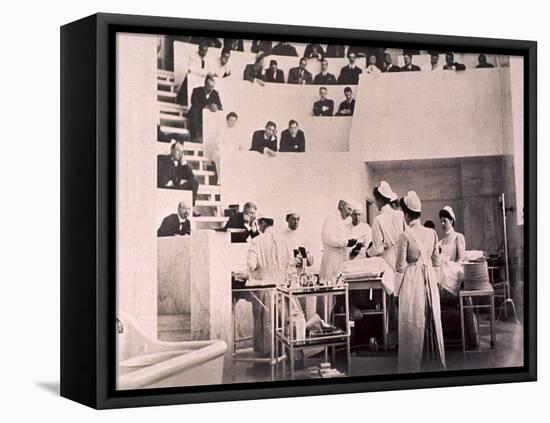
[[181, 227], [202, 63]]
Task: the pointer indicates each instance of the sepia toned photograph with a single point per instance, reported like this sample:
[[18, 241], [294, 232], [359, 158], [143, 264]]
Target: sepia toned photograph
[[294, 211]]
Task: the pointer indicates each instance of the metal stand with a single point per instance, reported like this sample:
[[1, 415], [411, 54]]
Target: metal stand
[[285, 335], [475, 308], [506, 283], [238, 355], [370, 284]]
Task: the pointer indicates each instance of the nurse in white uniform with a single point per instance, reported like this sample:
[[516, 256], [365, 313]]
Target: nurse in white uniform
[[452, 248], [387, 226], [420, 331]]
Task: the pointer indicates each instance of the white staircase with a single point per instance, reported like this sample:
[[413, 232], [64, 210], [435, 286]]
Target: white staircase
[[173, 120]]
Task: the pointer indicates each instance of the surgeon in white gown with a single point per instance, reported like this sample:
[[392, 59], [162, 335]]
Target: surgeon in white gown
[[269, 262], [334, 236]]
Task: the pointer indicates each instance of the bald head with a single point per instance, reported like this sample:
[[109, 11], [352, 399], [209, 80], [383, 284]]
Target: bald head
[[184, 208]]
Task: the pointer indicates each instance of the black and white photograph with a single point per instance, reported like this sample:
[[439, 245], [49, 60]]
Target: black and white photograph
[[288, 211]]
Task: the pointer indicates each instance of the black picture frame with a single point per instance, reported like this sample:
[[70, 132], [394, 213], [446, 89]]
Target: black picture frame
[[88, 161]]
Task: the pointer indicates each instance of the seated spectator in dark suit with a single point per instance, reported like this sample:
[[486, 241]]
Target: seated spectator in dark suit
[[450, 63], [259, 46], [347, 106], [284, 49], [323, 106], [255, 72], [176, 223], [265, 141], [372, 67], [335, 50], [359, 51], [174, 173], [409, 66], [388, 65], [293, 139], [314, 51], [205, 97], [300, 75], [233, 44], [245, 220], [483, 63], [349, 74], [211, 42], [410, 52], [434, 62], [324, 78], [273, 74]]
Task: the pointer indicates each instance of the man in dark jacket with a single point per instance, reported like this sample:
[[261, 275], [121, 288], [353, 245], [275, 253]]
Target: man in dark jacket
[[172, 174], [388, 65], [324, 78], [450, 63], [335, 50], [293, 139], [483, 63], [349, 74], [300, 75], [284, 49], [314, 51], [233, 44], [273, 74], [323, 106], [245, 221], [254, 72], [259, 46], [265, 141], [347, 106], [205, 97], [409, 66], [176, 224]]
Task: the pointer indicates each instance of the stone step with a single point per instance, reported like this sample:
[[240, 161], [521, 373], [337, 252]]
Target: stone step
[[209, 189], [166, 107], [175, 336], [174, 322], [166, 83], [207, 203], [204, 173], [165, 74], [193, 146], [166, 95], [211, 219]]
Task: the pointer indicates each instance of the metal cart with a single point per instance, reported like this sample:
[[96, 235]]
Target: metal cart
[[245, 355], [286, 339], [370, 284]]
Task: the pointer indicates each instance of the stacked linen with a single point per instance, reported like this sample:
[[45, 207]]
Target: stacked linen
[[369, 268]]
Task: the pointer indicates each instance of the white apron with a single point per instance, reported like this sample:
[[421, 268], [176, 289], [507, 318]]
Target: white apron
[[418, 307]]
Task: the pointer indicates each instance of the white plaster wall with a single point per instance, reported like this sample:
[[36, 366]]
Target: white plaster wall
[[424, 115], [137, 114]]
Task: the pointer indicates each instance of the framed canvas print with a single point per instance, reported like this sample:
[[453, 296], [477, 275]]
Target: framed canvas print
[[255, 211]]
